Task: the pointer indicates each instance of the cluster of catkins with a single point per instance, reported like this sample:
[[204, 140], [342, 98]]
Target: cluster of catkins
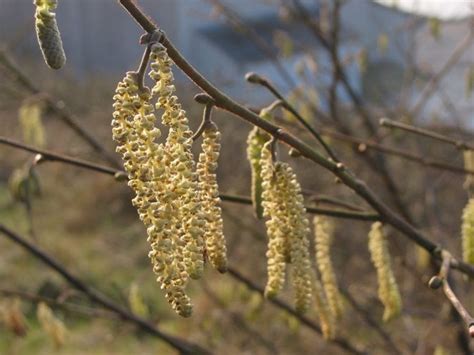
[[49, 37], [177, 201], [288, 230]]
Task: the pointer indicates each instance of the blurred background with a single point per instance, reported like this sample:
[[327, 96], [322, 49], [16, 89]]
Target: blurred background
[[342, 64]]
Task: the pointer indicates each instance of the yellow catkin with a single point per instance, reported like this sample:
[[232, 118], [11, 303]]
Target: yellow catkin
[[326, 317], [206, 167], [29, 117], [287, 229], [469, 165], [467, 232], [163, 176], [255, 141], [324, 231], [388, 291], [49, 37], [52, 325]]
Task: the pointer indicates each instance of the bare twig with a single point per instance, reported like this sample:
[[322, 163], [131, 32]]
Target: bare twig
[[258, 79], [179, 344], [460, 144], [442, 280]]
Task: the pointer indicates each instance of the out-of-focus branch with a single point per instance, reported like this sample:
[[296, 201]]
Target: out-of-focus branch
[[57, 107], [181, 345], [460, 144], [433, 83]]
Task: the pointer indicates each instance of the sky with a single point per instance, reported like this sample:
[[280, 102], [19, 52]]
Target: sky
[[442, 9]]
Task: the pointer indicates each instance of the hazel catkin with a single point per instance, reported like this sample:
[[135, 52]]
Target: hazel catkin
[[388, 291], [206, 167], [255, 141], [287, 229], [323, 235], [47, 31], [467, 232]]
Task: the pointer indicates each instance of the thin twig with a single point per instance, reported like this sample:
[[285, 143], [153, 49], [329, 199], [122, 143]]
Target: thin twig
[[460, 144], [443, 279], [122, 175], [258, 79], [181, 345]]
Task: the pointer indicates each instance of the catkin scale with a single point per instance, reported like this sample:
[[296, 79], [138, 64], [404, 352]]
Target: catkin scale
[[47, 31], [323, 230], [467, 232], [388, 291]]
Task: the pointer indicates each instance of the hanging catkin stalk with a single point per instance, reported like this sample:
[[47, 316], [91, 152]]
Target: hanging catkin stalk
[[214, 233], [324, 230], [388, 291], [47, 31]]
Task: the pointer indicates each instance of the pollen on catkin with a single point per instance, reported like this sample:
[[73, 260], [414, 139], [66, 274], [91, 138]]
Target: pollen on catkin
[[183, 177], [323, 236], [148, 165], [255, 141], [467, 232], [388, 291], [47, 31], [287, 229], [206, 167]]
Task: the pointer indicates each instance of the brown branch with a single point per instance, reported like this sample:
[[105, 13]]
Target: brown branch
[[460, 144], [346, 176], [260, 80], [122, 175], [95, 296], [72, 307], [363, 145], [57, 106], [442, 280]]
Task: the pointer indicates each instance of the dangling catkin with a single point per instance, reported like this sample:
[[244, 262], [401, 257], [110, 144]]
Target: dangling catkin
[[255, 141], [277, 225], [49, 37], [324, 230], [214, 233], [326, 316], [388, 291], [189, 214], [51, 324], [467, 232], [287, 229]]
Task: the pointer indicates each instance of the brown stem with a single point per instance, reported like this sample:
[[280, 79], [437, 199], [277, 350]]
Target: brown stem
[[426, 133]]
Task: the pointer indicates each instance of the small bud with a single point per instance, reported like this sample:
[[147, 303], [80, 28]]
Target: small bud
[[254, 78], [435, 282]]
